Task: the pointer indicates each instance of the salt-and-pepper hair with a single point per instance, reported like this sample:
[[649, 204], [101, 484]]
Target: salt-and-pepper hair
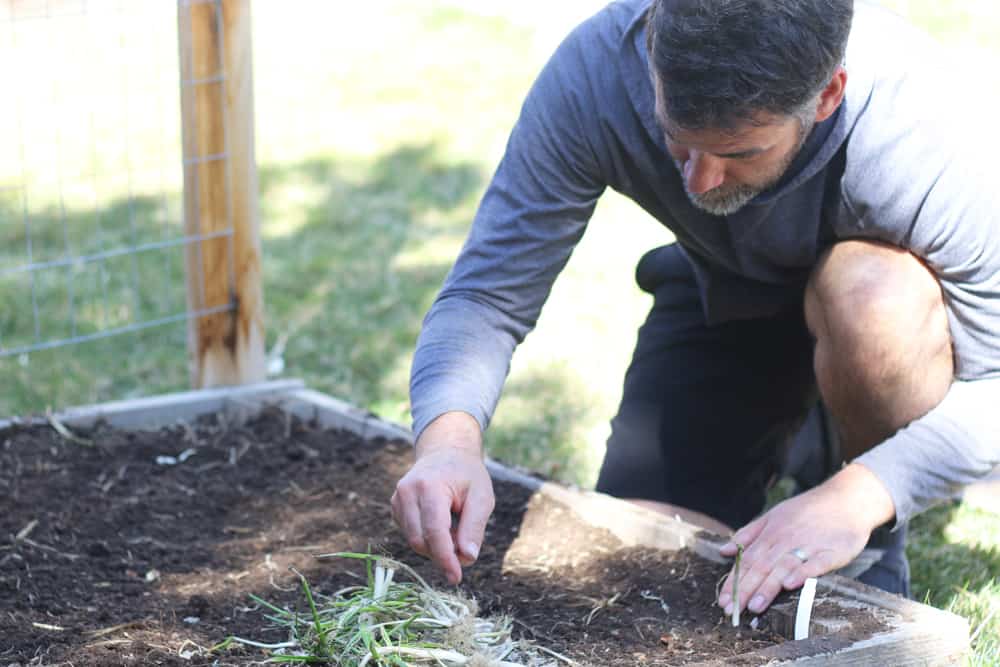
[[721, 63]]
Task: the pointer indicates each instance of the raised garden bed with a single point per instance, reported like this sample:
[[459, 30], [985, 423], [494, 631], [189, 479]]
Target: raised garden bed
[[110, 555]]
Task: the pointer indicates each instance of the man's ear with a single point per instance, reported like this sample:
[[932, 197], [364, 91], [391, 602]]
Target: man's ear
[[831, 96]]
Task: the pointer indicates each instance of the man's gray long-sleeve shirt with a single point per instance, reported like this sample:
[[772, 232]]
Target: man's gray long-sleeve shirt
[[902, 161]]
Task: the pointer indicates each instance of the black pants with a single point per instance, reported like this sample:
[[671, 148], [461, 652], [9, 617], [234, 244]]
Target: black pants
[[708, 413]]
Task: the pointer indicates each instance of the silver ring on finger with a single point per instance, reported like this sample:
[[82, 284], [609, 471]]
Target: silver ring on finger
[[800, 553]]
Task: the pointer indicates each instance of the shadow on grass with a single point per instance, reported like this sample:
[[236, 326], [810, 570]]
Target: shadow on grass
[[346, 279], [332, 283], [62, 298], [351, 277], [41, 270]]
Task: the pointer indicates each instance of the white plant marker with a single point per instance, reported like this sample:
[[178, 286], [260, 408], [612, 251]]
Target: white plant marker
[[804, 611], [736, 586]]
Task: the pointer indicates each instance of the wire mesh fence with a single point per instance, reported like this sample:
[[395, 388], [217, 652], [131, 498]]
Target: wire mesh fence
[[92, 235]]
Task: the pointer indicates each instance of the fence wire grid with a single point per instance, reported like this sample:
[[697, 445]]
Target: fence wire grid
[[92, 234]]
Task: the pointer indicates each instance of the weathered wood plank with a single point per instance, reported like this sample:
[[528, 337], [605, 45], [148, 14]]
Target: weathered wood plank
[[156, 411]]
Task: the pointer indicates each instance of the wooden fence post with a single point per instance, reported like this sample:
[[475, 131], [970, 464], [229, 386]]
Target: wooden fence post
[[220, 193]]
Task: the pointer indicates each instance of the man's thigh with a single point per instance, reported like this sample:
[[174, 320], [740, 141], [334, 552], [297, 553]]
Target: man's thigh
[[707, 410]]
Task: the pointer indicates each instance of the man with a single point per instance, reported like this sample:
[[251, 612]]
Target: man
[[837, 242]]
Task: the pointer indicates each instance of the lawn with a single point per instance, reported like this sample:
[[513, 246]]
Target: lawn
[[377, 130]]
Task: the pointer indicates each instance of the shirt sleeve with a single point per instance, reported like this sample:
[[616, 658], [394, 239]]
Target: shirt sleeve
[[921, 174], [533, 213], [931, 459]]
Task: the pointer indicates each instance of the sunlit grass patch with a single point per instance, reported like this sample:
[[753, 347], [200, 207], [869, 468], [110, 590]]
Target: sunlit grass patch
[[954, 553]]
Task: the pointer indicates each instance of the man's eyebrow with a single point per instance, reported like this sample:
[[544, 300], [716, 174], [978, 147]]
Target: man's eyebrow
[[735, 155], [741, 154]]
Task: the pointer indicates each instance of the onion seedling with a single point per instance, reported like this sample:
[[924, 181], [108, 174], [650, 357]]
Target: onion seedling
[[391, 623], [736, 586]]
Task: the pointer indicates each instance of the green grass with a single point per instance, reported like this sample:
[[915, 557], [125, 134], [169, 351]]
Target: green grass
[[376, 134], [954, 553]]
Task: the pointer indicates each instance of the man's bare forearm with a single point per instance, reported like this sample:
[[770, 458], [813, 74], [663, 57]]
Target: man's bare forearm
[[456, 430]]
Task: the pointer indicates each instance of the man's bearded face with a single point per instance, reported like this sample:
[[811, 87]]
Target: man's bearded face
[[723, 170], [729, 197]]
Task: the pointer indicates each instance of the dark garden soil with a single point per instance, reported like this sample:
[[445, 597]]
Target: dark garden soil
[[110, 558]]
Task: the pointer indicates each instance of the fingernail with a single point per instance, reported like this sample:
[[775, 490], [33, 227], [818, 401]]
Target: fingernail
[[789, 582], [471, 550], [725, 599], [728, 546], [729, 609], [757, 604]]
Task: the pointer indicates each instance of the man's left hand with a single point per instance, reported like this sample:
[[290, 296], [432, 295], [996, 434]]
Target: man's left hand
[[805, 536]]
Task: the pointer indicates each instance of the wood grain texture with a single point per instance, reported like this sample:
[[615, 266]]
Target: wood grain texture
[[220, 193]]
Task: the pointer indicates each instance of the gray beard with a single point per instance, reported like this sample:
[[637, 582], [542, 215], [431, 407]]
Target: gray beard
[[724, 201]]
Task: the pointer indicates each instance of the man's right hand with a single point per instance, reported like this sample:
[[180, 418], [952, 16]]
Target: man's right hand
[[448, 478]]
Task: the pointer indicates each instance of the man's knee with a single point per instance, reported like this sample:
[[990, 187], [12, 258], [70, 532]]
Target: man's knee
[[868, 299], [883, 351]]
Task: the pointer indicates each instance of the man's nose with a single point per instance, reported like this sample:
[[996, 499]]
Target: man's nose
[[703, 172]]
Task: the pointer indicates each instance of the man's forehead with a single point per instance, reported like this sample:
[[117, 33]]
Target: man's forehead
[[740, 135], [758, 130]]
